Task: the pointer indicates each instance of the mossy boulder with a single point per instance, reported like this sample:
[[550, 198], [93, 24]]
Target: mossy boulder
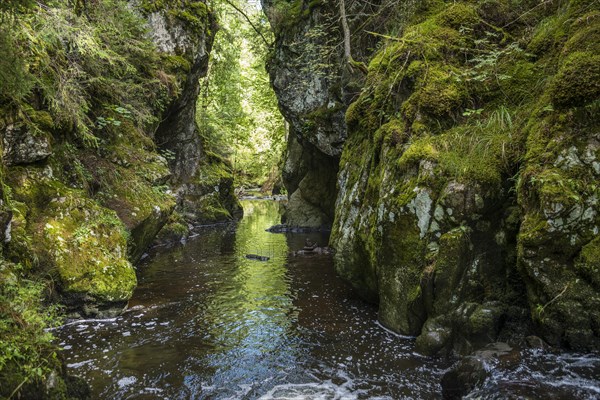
[[81, 243], [578, 80]]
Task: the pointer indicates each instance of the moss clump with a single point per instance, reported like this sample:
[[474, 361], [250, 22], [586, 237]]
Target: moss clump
[[174, 230], [586, 36], [459, 15], [83, 244], [87, 246], [588, 262], [578, 80], [440, 93]]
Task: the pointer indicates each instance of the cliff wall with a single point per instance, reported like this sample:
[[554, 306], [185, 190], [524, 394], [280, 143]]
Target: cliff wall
[[466, 203], [103, 147]]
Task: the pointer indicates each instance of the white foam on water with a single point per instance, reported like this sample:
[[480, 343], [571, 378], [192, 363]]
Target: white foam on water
[[392, 332], [79, 364], [81, 323], [313, 391], [152, 390], [128, 380], [576, 384]]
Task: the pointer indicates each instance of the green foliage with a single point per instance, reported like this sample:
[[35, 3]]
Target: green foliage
[[237, 110], [27, 354], [80, 64]]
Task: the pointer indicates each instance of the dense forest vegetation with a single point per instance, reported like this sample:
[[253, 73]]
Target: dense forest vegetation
[[238, 112], [451, 147]]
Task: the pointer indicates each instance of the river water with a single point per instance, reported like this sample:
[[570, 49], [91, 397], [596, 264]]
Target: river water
[[208, 323]]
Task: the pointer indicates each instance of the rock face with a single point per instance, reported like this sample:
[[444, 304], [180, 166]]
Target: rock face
[[427, 220], [86, 213], [203, 185], [466, 204], [311, 98], [21, 146]]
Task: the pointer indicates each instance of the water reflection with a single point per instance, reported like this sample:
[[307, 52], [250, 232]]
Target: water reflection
[[208, 323]]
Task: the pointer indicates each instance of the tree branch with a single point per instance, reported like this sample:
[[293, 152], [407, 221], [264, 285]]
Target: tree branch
[[250, 22]]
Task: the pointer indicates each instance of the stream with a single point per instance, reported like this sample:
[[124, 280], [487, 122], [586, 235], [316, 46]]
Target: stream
[[207, 323]]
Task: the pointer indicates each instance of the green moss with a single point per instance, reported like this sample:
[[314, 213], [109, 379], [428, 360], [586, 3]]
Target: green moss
[[548, 36], [41, 120], [418, 150], [194, 15], [176, 63], [286, 14], [87, 247], [578, 80], [588, 262], [174, 230], [586, 36], [484, 321], [82, 243], [459, 15], [440, 93], [392, 133]]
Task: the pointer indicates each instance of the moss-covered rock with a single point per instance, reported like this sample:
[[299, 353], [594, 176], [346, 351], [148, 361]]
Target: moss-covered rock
[[76, 240], [426, 218], [578, 80], [557, 193]]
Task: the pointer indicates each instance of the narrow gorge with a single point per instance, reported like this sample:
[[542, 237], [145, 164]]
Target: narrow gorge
[[448, 152]]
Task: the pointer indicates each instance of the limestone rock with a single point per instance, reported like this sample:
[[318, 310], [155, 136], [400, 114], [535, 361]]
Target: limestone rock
[[22, 146], [313, 97], [178, 132]]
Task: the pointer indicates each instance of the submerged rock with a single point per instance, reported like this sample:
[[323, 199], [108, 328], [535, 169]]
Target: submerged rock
[[469, 373], [472, 371], [257, 257], [284, 228]]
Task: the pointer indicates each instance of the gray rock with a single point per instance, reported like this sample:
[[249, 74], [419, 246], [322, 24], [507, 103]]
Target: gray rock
[[463, 377], [22, 146]]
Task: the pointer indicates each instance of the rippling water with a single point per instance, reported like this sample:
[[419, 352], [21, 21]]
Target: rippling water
[[207, 323]]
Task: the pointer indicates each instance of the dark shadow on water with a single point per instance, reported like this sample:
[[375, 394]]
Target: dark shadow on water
[[208, 323]]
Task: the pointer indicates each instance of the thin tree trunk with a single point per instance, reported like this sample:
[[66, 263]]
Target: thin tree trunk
[[347, 43], [346, 29]]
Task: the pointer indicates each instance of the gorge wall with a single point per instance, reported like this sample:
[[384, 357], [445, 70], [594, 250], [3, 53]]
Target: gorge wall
[[466, 202], [104, 149]]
